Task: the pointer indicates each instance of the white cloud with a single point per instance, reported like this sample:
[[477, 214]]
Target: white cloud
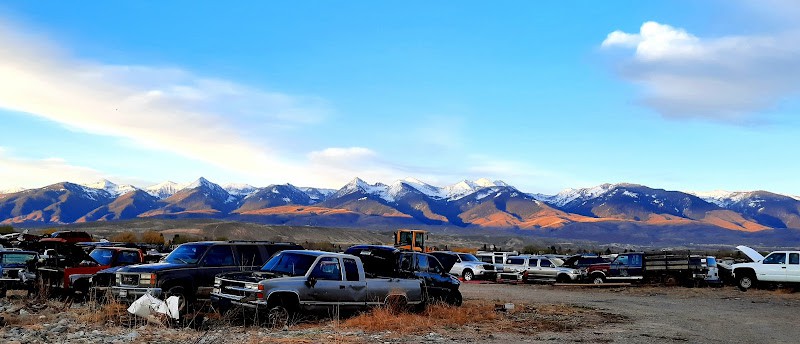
[[730, 78], [166, 109], [29, 173]]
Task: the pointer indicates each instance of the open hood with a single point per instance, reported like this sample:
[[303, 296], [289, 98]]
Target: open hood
[[447, 259], [755, 256]]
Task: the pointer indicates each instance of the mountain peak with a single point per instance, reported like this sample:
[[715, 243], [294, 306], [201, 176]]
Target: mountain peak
[[200, 182]]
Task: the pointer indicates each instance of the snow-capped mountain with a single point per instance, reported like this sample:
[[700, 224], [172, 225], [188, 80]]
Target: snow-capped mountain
[[165, 189], [570, 195], [273, 196], [317, 194], [357, 185], [110, 187], [242, 190], [12, 190]]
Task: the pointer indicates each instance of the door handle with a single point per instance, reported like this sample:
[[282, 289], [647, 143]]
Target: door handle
[[341, 287], [783, 267]]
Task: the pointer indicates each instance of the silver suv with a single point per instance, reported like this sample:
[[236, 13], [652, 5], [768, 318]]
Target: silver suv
[[536, 268], [466, 265]]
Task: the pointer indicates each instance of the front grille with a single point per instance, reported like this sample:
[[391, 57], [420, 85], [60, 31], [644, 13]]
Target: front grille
[[488, 267], [11, 273], [509, 276], [129, 279], [232, 288]]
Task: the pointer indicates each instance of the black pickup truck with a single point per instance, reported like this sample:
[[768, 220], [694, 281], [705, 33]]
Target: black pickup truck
[[188, 272], [388, 261]]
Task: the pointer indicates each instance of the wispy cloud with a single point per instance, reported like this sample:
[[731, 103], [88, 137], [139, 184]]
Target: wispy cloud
[[729, 78], [167, 109]]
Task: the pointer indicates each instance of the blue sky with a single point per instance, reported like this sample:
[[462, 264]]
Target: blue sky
[[684, 95]]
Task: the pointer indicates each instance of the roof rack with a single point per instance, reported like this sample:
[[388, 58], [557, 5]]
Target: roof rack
[[261, 242]]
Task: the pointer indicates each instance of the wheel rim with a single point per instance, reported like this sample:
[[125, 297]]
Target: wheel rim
[[746, 282], [278, 317], [468, 275], [598, 280]]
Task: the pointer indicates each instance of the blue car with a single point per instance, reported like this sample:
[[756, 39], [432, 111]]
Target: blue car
[[14, 269]]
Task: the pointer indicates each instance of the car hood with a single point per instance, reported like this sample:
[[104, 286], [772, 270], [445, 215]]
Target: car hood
[[110, 270], [751, 253], [155, 267], [447, 259]]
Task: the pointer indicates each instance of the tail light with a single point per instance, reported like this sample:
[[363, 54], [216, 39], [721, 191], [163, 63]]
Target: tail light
[[260, 293]]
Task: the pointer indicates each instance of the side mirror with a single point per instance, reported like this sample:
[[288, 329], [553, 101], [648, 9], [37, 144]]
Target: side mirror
[[552, 265], [311, 281]]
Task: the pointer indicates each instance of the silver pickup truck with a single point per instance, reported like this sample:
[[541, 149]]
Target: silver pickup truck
[[296, 281]]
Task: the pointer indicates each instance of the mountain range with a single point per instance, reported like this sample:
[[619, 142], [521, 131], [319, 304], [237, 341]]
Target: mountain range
[[480, 203]]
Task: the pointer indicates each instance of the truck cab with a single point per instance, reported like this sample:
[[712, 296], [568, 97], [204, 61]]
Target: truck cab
[[776, 267], [626, 266]]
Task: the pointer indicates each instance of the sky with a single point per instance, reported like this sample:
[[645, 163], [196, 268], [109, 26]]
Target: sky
[[544, 95]]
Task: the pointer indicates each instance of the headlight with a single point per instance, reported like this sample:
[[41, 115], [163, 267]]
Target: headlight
[[147, 280], [217, 282]]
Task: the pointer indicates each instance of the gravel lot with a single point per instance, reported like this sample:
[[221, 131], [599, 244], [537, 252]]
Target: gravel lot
[[661, 314], [543, 314]]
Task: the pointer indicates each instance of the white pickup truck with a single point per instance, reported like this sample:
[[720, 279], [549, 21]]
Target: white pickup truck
[[776, 267]]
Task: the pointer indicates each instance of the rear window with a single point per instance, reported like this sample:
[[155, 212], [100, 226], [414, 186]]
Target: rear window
[[249, 255], [516, 261], [16, 258], [292, 264], [102, 256]]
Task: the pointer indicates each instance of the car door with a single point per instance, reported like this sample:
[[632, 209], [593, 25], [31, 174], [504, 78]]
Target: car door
[[217, 259], [328, 288], [547, 270], [773, 268], [793, 267], [355, 295]]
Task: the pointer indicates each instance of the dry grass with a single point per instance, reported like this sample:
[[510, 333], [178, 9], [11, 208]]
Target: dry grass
[[102, 314], [434, 317]]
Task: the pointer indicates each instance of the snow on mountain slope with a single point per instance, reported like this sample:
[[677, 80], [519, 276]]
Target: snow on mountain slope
[[317, 194], [110, 187], [165, 189], [569, 195], [242, 190], [358, 185], [721, 198]]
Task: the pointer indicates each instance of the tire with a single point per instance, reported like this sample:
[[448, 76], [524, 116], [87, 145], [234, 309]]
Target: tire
[[468, 275], [183, 301], [598, 279], [562, 279], [455, 298], [745, 281]]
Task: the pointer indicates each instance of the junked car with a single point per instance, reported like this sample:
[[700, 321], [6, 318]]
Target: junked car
[[466, 265], [777, 267], [528, 268], [13, 265], [296, 281], [388, 261]]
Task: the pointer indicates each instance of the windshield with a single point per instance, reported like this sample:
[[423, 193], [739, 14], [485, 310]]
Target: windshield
[[466, 257], [17, 258], [186, 254], [289, 263], [102, 256]]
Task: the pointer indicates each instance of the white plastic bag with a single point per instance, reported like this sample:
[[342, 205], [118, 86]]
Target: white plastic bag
[[146, 305]]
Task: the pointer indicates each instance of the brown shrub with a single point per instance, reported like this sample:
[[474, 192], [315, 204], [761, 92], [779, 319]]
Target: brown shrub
[[152, 237], [434, 317], [124, 237]]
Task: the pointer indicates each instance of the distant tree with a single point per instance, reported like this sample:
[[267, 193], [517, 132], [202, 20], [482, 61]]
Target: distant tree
[[553, 249], [153, 237], [221, 238], [608, 250], [49, 231], [124, 237], [178, 239], [6, 229]]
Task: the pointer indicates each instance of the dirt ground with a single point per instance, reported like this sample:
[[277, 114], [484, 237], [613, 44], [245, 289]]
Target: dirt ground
[[541, 314], [659, 314]]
